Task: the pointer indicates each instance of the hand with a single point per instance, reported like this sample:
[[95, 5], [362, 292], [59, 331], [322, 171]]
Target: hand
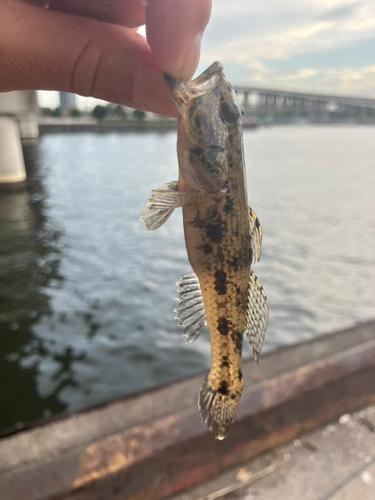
[[91, 47]]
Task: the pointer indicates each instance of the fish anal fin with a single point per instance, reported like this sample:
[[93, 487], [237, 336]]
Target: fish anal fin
[[257, 316], [159, 207], [217, 408], [255, 235], [190, 311]]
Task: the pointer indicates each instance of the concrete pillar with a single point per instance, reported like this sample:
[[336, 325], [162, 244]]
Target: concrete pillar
[[294, 105], [29, 129], [270, 104], [279, 104], [313, 111], [361, 114], [12, 166]]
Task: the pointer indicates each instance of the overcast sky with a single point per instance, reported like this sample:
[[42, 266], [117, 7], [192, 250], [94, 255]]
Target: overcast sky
[[324, 46]]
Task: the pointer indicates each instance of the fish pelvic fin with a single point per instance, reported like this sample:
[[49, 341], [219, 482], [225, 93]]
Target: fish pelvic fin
[[190, 311], [217, 407], [255, 235], [257, 316], [159, 207]]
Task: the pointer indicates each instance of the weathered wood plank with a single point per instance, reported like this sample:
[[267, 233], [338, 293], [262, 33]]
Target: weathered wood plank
[[196, 460], [154, 444]]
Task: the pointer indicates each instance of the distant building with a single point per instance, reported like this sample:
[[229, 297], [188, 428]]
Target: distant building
[[67, 101]]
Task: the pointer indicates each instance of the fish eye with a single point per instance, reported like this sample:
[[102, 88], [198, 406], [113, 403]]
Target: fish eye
[[229, 111]]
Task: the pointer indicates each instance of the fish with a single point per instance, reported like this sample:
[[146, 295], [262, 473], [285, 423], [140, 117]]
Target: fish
[[223, 238]]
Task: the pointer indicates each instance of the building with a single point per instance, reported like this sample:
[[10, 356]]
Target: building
[[67, 101]]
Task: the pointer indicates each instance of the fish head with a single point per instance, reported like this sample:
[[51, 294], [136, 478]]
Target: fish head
[[208, 111]]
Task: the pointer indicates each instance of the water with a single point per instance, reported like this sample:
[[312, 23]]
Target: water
[[86, 295]]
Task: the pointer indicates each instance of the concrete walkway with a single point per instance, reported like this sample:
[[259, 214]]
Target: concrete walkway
[[333, 463]]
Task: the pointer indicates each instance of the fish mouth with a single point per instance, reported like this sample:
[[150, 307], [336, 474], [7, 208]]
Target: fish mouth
[[215, 68], [183, 92], [171, 81]]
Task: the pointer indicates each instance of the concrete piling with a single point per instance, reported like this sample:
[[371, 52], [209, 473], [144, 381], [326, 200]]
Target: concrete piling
[[12, 166]]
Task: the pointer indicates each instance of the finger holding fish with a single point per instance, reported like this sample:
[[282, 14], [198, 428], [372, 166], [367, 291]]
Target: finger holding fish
[[174, 29]]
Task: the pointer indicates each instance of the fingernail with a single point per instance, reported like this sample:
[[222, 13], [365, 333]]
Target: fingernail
[[191, 59], [151, 92], [145, 2]]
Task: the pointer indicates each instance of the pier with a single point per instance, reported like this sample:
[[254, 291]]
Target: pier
[[153, 444]]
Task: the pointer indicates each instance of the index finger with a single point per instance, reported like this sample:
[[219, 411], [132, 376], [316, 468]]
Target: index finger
[[174, 31], [128, 13]]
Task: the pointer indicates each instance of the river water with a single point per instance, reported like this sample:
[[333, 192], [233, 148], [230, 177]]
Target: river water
[[86, 295]]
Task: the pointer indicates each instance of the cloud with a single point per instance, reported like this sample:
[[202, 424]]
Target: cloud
[[248, 36], [310, 29], [358, 82], [301, 74], [340, 12]]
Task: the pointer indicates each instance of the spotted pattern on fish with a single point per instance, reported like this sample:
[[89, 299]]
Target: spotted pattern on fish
[[222, 225], [222, 235]]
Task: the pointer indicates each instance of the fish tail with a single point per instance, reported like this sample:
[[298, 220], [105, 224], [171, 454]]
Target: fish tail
[[218, 407]]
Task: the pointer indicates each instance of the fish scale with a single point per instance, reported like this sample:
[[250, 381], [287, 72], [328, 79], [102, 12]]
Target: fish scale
[[225, 297]]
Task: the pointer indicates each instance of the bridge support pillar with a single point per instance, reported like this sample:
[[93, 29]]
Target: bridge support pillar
[[12, 166], [29, 129]]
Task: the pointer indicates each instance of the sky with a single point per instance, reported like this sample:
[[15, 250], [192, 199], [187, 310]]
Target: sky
[[324, 46], [320, 46]]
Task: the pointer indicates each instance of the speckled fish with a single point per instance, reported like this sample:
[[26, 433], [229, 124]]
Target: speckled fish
[[222, 234]]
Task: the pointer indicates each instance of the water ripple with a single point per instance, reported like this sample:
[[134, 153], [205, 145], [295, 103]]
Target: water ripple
[[86, 295]]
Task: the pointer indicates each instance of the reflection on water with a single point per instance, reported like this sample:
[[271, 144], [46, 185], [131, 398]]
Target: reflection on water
[[29, 262], [86, 296]]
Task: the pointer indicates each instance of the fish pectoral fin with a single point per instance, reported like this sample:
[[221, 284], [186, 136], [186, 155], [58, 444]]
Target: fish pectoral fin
[[257, 316], [159, 207], [255, 235], [154, 213], [190, 311]]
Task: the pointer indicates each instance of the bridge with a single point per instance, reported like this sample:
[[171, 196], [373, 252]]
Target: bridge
[[18, 112], [317, 108]]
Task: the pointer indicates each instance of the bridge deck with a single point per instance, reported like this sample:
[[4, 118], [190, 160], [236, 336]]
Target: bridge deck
[[339, 99]]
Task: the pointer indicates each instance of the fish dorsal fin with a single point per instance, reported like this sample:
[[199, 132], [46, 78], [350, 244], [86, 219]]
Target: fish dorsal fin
[[257, 316], [190, 311], [255, 235]]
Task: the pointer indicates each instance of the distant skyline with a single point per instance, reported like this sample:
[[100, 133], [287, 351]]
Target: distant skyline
[[321, 46]]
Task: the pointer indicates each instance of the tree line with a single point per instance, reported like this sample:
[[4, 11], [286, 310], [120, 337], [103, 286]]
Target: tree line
[[108, 112]]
